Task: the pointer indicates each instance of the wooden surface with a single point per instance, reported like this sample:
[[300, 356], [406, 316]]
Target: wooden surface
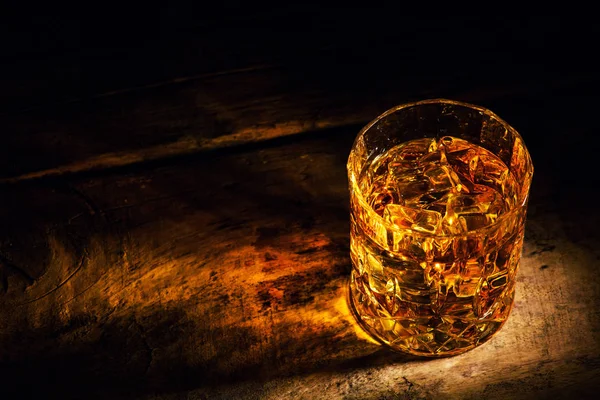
[[189, 240], [232, 284]]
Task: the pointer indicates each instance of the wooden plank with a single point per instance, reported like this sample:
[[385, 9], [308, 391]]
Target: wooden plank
[[201, 114], [224, 276]]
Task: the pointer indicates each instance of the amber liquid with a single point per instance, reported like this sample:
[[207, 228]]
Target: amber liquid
[[435, 246]]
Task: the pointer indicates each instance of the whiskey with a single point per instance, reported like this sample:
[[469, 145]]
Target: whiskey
[[436, 237]]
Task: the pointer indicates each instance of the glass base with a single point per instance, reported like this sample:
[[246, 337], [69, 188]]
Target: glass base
[[432, 335]]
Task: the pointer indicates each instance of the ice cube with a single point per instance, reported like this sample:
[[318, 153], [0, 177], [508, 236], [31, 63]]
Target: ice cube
[[453, 144], [406, 178], [448, 145], [491, 171], [464, 204], [465, 163], [434, 201], [492, 164], [404, 158], [439, 206], [409, 189], [412, 150], [419, 147], [441, 178], [470, 273], [379, 199], [442, 250], [415, 219], [453, 224], [478, 166], [478, 209], [483, 199], [478, 221], [433, 158], [404, 170]]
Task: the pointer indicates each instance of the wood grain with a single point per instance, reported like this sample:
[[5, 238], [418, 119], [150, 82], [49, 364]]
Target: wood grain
[[232, 285], [206, 113]]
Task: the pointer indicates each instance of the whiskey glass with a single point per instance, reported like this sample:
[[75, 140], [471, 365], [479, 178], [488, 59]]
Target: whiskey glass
[[438, 200]]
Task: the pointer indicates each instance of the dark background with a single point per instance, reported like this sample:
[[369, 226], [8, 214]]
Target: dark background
[[51, 55]]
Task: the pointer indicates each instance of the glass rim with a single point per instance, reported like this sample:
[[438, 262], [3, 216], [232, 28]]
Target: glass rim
[[380, 220]]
